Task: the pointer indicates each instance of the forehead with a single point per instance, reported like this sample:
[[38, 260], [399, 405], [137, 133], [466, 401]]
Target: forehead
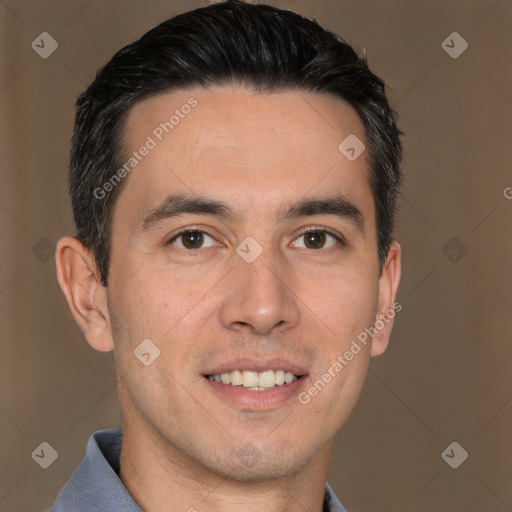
[[251, 149]]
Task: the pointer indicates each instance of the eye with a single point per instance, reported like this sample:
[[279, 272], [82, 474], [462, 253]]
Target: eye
[[316, 238], [191, 239]]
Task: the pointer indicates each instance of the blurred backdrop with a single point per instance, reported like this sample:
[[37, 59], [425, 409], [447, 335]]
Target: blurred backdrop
[[446, 376]]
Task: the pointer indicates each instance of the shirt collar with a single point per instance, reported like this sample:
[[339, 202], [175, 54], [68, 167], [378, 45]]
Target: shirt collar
[[96, 486]]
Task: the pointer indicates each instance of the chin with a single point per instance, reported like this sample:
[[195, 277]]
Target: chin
[[250, 464]]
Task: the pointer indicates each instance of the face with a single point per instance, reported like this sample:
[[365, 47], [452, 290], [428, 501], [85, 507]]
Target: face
[[256, 284]]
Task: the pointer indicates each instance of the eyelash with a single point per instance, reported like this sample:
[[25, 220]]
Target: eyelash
[[311, 229]]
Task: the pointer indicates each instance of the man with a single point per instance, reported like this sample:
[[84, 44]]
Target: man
[[234, 177]]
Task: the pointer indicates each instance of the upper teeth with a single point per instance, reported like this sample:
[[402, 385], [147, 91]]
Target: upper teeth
[[247, 379]]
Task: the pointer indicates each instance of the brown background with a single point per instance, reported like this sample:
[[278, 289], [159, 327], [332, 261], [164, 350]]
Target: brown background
[[446, 375]]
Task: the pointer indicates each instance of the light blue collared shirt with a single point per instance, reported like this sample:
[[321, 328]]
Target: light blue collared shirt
[[96, 487]]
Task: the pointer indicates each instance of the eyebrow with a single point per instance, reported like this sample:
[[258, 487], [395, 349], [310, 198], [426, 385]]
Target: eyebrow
[[180, 204]]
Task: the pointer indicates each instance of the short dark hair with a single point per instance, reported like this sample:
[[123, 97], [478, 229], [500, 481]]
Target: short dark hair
[[258, 46]]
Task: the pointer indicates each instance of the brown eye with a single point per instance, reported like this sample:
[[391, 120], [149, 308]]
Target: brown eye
[[314, 239], [190, 239], [318, 238]]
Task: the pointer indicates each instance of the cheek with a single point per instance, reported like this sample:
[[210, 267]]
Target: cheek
[[169, 311], [151, 304], [349, 387], [344, 302]]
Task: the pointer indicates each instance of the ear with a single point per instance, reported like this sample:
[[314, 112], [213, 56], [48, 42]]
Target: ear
[[79, 279], [387, 308]]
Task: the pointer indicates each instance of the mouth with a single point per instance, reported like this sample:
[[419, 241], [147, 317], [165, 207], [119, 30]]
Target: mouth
[[255, 381], [256, 385]]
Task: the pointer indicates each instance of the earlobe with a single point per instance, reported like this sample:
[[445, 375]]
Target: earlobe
[[387, 306], [87, 298]]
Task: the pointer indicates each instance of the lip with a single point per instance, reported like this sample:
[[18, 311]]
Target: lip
[[261, 401], [257, 365]]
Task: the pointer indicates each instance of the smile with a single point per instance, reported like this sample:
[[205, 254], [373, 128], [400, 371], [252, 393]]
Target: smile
[[254, 381]]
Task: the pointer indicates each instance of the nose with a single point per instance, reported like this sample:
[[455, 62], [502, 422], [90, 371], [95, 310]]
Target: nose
[[261, 297]]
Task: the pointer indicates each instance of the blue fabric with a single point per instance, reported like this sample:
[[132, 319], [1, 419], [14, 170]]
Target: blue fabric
[[96, 487]]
